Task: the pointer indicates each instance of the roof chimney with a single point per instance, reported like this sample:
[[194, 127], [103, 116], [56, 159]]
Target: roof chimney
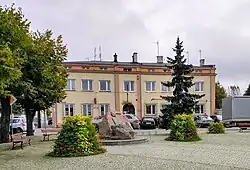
[[202, 61], [115, 58], [134, 57], [160, 59]]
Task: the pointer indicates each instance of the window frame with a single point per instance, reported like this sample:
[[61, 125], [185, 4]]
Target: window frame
[[151, 109], [168, 88], [130, 82], [89, 81], [151, 86], [107, 84], [100, 108], [64, 109], [200, 86], [71, 85], [87, 108], [203, 108]]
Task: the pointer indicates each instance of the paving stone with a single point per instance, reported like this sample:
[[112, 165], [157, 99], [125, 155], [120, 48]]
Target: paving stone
[[230, 152]]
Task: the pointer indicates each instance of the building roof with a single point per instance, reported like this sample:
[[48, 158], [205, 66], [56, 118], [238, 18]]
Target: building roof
[[108, 63]]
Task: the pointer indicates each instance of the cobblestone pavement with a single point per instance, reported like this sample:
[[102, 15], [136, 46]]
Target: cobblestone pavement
[[218, 152]]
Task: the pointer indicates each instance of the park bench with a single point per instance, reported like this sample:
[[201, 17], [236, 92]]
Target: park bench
[[50, 132], [243, 126], [19, 138]]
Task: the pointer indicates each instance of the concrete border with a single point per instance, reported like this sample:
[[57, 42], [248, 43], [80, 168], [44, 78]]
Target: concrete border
[[137, 140]]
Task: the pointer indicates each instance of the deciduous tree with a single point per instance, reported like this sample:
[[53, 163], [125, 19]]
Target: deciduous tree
[[220, 93], [14, 39], [44, 77]]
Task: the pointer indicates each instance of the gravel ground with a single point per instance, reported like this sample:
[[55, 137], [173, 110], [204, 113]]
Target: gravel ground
[[218, 152]]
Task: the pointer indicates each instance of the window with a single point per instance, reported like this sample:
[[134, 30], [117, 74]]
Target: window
[[127, 69], [165, 88], [199, 86], [87, 85], [69, 110], [129, 86], [68, 67], [150, 109], [71, 84], [150, 86], [199, 109], [103, 68], [104, 108], [151, 70], [104, 85], [85, 68], [87, 110]]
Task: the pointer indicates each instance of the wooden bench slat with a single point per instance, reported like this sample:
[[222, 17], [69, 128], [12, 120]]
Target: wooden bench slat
[[49, 132], [19, 138]]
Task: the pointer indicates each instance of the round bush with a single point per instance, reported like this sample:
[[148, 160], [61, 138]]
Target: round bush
[[183, 129], [216, 128], [78, 137]]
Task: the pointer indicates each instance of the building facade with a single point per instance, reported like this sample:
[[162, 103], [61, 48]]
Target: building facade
[[96, 87]]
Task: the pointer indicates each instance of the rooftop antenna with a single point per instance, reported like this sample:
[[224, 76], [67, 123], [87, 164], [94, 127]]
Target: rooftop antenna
[[200, 53], [100, 53], [158, 47], [95, 54]]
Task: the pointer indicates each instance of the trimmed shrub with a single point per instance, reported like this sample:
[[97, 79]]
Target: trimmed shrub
[[183, 129], [216, 128], [78, 137]]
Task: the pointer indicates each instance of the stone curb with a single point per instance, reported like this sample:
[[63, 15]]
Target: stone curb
[[124, 142], [151, 133]]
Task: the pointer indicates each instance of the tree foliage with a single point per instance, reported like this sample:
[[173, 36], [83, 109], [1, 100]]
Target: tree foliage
[[220, 93], [30, 68], [182, 101], [216, 128], [78, 137], [14, 39], [183, 129], [44, 77], [247, 92]]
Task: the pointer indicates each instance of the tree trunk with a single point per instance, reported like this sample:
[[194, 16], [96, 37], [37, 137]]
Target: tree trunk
[[39, 119], [29, 117], [5, 120]]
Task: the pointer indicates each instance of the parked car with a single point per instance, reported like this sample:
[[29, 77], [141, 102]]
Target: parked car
[[133, 120], [50, 121], [19, 124], [217, 118], [148, 123], [203, 121], [96, 122]]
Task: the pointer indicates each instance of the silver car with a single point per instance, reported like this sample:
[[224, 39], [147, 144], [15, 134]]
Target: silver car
[[133, 120], [204, 121]]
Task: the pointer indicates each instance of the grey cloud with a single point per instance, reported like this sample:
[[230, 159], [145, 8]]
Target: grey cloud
[[219, 28]]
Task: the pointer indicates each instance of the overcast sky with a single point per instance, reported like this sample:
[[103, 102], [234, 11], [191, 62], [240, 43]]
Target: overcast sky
[[220, 28]]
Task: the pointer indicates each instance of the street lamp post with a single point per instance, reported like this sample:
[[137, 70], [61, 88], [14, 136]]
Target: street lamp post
[[127, 98]]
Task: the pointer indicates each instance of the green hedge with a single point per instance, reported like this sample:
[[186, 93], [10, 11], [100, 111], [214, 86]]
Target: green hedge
[[183, 129], [78, 137], [216, 128]]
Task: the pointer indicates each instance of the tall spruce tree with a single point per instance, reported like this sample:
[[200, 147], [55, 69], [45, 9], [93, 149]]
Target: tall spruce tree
[[247, 92], [181, 101]]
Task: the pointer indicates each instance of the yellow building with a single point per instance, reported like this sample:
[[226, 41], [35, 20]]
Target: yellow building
[[96, 87]]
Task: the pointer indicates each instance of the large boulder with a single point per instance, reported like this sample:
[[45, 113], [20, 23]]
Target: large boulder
[[115, 126]]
